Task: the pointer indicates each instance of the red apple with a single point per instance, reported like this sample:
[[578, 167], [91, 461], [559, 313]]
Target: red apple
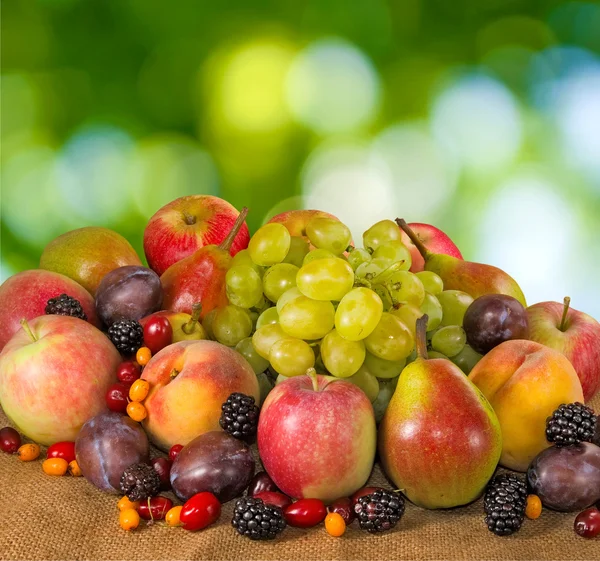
[[317, 437], [574, 334], [54, 374], [434, 239], [185, 225], [296, 220], [26, 294]]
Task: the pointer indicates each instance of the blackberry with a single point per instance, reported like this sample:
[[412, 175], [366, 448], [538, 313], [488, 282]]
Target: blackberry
[[379, 511], [127, 335], [571, 424], [65, 305], [140, 481], [504, 504], [256, 520], [239, 416]]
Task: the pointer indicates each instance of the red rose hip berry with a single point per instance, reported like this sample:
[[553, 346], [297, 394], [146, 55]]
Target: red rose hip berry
[[116, 397], [200, 511], [587, 523], [158, 333], [64, 450], [305, 513], [154, 508], [344, 508], [128, 372], [162, 466], [174, 451], [10, 440]]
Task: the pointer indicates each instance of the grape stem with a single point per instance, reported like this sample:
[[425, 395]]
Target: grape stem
[[188, 327], [312, 373], [225, 245], [25, 326], [421, 333], [563, 321], [413, 238]]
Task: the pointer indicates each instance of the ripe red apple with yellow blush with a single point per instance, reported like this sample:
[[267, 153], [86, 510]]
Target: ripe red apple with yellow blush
[[435, 241], [296, 220]]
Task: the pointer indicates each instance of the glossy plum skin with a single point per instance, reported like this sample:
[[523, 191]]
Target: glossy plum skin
[[492, 319], [260, 483], [566, 479], [108, 444], [162, 466], [130, 292], [214, 462]]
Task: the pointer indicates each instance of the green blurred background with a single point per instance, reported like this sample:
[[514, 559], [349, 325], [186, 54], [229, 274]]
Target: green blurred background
[[480, 117]]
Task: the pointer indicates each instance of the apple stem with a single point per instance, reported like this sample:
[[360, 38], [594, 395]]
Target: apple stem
[[25, 326], [225, 245], [421, 335], [188, 327], [563, 321], [174, 373], [313, 376], [413, 237]]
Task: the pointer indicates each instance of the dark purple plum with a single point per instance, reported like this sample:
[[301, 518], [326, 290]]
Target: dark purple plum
[[260, 483], [492, 319], [214, 462], [130, 292], [108, 444], [567, 478]]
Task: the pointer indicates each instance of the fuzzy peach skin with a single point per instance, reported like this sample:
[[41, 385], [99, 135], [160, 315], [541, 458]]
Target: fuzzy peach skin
[[525, 382], [26, 294], [189, 381], [317, 444], [50, 387]]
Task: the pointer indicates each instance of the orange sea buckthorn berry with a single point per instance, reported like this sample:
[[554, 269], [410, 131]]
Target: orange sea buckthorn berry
[[335, 525], [55, 466], [136, 411], [139, 390], [125, 504], [143, 356], [28, 452], [534, 507], [172, 518], [74, 469], [129, 519]]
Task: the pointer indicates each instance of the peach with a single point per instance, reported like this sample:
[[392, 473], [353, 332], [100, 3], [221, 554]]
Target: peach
[[189, 381], [525, 382]]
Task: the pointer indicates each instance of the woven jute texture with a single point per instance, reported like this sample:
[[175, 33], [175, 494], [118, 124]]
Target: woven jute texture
[[44, 517]]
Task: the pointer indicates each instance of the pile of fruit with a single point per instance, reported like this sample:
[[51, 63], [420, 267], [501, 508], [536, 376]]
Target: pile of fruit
[[319, 351]]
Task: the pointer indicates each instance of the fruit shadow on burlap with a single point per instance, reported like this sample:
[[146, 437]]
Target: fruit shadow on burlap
[[53, 518]]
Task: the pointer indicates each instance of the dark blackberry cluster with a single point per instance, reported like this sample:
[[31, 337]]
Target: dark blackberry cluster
[[571, 424], [504, 504], [127, 335], [379, 511], [256, 520], [65, 305], [239, 416], [139, 482]]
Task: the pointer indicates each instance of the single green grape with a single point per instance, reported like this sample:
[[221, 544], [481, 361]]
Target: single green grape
[[269, 316], [242, 257], [264, 385], [371, 269], [405, 288], [408, 314], [357, 256], [328, 233], [286, 297], [454, 305], [254, 315], [357, 314], [247, 350], [243, 286], [264, 338], [291, 357], [325, 279], [394, 251], [449, 340], [262, 305], [466, 359], [270, 244], [384, 295], [317, 254], [305, 318], [386, 391], [436, 354], [341, 357], [278, 279], [299, 249], [390, 339], [381, 232], [207, 324], [432, 283], [432, 307], [382, 368], [231, 324], [366, 382]]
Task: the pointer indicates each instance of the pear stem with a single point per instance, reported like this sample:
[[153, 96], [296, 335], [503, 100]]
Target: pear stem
[[225, 245], [312, 373], [421, 335], [25, 326], [413, 237], [563, 321], [188, 327]]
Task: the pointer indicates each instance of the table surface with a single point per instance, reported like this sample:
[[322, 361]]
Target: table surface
[[43, 517]]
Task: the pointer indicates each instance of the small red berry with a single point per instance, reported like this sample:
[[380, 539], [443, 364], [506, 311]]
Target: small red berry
[[10, 440], [154, 508], [174, 451], [162, 466], [344, 508], [305, 513], [64, 450], [128, 372], [158, 333], [587, 523], [200, 511], [274, 498], [116, 397]]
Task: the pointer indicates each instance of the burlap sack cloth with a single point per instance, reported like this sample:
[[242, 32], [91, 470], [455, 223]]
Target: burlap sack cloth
[[44, 517]]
